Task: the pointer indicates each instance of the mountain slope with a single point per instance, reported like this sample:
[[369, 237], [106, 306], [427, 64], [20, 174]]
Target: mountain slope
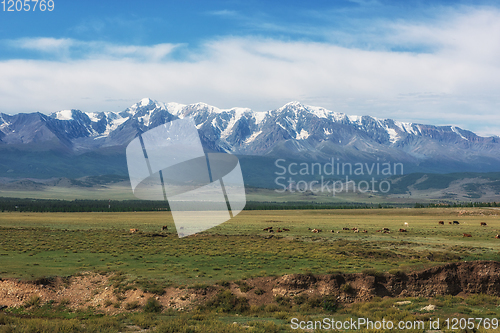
[[293, 131]]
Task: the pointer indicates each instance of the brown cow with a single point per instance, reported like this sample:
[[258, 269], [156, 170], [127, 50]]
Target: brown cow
[[133, 231], [279, 230], [467, 235], [483, 223], [346, 229], [268, 228], [164, 228], [285, 229], [365, 231], [497, 236], [316, 230], [402, 230], [449, 222], [441, 222]]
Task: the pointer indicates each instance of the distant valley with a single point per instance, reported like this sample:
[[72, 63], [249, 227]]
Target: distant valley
[[37, 149]]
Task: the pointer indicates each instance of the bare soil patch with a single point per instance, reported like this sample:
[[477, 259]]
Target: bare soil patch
[[91, 289]]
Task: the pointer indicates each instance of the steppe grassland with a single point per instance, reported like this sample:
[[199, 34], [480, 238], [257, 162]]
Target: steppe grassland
[[33, 245]]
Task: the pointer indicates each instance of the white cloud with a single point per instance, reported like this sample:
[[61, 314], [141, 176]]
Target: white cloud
[[42, 44], [456, 83], [224, 12], [67, 49]]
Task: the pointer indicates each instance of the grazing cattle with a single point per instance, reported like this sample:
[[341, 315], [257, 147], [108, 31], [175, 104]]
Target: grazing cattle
[[279, 230], [386, 232], [441, 222], [365, 231], [285, 229], [316, 230], [497, 236], [354, 229], [402, 230], [449, 222], [467, 235], [133, 231], [385, 229], [268, 228], [456, 222], [406, 224], [483, 223], [164, 228], [346, 229], [332, 231]]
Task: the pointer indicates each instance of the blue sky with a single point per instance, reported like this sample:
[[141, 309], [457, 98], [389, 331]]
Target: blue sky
[[430, 62]]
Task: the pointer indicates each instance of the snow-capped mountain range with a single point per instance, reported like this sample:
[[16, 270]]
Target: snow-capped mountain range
[[294, 130]]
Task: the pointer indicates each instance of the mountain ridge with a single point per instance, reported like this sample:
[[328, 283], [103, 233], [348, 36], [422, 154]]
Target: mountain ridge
[[294, 131]]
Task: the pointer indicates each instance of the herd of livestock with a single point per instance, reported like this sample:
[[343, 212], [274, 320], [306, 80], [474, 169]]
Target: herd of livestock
[[383, 230], [356, 230]]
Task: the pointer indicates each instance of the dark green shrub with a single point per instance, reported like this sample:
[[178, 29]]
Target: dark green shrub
[[152, 286], [347, 288], [34, 301], [396, 272], [225, 301], [152, 306], [259, 291], [132, 305], [223, 284], [299, 299], [372, 272], [244, 287], [329, 303], [314, 302], [282, 300]]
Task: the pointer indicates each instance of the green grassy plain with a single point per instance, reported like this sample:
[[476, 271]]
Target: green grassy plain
[[33, 245]]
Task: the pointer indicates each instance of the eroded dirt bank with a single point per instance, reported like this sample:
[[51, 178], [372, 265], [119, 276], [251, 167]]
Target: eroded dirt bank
[[90, 289]]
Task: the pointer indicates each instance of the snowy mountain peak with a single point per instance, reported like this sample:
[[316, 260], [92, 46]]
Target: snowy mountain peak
[[294, 103], [63, 114], [292, 130], [146, 102], [175, 108]]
